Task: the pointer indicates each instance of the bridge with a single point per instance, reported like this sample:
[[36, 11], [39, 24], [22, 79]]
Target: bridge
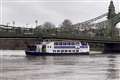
[[109, 37]]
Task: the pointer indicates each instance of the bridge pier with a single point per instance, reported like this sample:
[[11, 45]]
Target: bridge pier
[[112, 48]]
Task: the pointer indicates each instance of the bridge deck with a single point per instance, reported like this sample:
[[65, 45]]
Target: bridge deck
[[93, 40]]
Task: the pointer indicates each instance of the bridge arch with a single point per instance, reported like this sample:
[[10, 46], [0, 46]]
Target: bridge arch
[[118, 25]]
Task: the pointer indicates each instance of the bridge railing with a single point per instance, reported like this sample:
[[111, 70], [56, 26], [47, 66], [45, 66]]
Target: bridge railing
[[78, 36], [85, 38]]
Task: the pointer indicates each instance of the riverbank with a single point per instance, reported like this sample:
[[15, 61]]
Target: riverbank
[[15, 43], [21, 44]]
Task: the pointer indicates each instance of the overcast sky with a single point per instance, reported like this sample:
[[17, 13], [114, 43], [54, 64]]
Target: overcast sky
[[27, 11]]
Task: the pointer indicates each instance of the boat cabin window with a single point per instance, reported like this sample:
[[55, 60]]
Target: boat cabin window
[[49, 46], [73, 50], [64, 43], [69, 50], [58, 50], [54, 51], [65, 50], [72, 43], [77, 50], [69, 43], [56, 43], [62, 51], [83, 43], [60, 43]]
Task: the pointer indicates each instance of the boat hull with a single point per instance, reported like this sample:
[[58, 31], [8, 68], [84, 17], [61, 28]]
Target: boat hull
[[33, 53]]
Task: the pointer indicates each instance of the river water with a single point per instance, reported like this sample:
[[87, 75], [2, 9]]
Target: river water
[[14, 65]]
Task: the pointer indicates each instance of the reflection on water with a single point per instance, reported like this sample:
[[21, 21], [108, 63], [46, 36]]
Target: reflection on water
[[113, 70], [89, 67]]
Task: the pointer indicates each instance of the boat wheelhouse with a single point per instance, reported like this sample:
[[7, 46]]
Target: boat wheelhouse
[[65, 47]]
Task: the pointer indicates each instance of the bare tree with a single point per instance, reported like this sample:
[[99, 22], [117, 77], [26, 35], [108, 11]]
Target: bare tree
[[66, 25], [48, 25]]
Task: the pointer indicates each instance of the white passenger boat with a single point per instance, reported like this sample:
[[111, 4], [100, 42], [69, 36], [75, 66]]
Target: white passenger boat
[[66, 47]]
